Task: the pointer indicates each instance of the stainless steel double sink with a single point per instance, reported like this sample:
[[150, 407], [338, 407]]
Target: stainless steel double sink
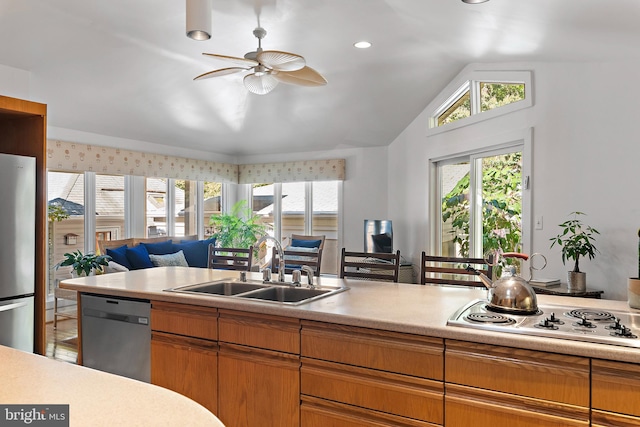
[[280, 293]]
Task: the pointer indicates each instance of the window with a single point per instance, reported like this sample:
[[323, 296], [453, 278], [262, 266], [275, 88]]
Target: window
[[65, 196], [109, 204], [480, 95], [186, 196], [156, 207], [212, 204], [309, 208]]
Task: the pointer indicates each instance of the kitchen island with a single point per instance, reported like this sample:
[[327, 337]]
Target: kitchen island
[[375, 353], [95, 398]]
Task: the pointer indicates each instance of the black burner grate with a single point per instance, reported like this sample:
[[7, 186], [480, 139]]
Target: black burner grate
[[494, 318], [591, 315]]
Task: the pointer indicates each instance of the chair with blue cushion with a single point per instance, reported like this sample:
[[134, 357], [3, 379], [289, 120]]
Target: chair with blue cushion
[[230, 258], [302, 250]]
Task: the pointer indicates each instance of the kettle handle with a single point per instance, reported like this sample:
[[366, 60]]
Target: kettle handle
[[515, 255]]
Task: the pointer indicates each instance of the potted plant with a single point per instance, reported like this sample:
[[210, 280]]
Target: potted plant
[[84, 264], [240, 228], [576, 239]]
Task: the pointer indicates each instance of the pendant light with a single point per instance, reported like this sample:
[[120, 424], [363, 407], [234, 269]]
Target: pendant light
[[199, 19]]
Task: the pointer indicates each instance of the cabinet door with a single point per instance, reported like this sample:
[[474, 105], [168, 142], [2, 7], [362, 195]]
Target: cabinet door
[[185, 365], [322, 413], [615, 387], [258, 387], [467, 406]]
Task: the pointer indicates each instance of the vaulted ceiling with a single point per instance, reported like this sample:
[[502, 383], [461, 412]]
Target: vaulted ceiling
[[125, 68]]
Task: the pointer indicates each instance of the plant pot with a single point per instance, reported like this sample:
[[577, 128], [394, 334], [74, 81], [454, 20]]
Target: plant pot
[[576, 281], [633, 289]]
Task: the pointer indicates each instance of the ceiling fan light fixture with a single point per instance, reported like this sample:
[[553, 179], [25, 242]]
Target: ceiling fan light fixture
[[474, 1], [260, 84], [199, 19]]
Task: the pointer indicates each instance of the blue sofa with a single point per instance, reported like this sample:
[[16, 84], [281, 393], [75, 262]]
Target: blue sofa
[[139, 253]]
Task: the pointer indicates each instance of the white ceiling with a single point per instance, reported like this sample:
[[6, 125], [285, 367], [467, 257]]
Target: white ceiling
[[125, 68]]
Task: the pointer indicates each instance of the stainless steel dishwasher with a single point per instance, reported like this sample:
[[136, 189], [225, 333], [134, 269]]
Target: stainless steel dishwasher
[[116, 336]]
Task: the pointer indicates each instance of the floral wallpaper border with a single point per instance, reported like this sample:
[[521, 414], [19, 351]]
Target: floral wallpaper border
[[306, 170], [75, 157]]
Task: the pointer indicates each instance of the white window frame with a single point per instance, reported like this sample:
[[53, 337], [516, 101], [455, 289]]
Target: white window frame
[[471, 81], [483, 148]]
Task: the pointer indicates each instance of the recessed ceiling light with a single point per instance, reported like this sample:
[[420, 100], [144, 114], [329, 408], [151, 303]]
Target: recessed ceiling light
[[474, 1], [362, 45]]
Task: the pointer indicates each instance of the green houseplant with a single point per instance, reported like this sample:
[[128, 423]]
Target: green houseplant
[[83, 264], [576, 240], [239, 228]]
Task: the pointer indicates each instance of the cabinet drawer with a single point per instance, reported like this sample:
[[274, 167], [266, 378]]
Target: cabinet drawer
[[259, 330], [615, 387], [541, 375], [466, 406], [367, 388], [316, 412], [387, 351], [609, 419], [184, 319]]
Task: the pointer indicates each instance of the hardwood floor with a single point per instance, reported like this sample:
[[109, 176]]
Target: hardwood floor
[[62, 343]]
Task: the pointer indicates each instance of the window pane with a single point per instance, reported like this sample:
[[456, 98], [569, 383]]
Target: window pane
[[325, 222], [65, 195], [494, 95], [185, 199], [156, 208], [109, 207], [293, 206], [459, 110], [212, 205], [502, 202], [455, 179]]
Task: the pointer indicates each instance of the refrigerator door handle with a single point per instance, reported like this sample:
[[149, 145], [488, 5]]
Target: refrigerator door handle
[[12, 306]]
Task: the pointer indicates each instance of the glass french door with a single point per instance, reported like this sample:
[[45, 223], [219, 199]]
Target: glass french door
[[480, 203]]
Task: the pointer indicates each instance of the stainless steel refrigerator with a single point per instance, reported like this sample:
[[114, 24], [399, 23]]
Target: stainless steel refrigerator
[[17, 250]]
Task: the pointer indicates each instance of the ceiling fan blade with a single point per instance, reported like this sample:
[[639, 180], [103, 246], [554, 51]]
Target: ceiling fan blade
[[244, 62], [281, 61], [304, 77], [220, 72]]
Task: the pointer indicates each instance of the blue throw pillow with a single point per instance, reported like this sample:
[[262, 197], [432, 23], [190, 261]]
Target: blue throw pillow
[[119, 256], [195, 251], [305, 243], [139, 257], [160, 248]]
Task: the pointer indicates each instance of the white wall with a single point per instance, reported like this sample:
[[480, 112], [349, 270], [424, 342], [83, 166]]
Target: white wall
[[585, 151], [15, 83]]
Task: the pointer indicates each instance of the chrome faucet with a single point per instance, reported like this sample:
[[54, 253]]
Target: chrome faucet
[[307, 269], [280, 254]]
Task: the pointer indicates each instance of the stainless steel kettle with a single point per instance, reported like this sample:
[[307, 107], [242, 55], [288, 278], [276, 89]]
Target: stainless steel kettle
[[510, 294]]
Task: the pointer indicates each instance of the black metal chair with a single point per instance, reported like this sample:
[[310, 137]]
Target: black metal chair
[[371, 266]]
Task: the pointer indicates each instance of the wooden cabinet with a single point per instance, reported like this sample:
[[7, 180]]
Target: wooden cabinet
[[184, 351], [355, 376], [259, 370], [486, 385], [23, 126], [615, 393]]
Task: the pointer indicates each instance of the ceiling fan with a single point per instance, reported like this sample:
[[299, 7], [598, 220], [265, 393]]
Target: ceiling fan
[[268, 68]]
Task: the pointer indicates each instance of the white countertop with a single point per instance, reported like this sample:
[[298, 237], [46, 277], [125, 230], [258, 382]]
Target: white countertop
[[408, 308], [95, 398]]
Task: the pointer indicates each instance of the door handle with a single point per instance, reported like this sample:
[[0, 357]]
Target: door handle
[[12, 306]]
